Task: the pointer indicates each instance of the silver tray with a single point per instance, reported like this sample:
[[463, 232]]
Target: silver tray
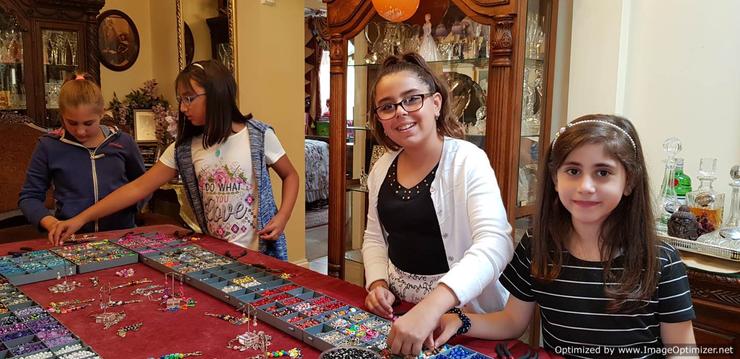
[[707, 249]]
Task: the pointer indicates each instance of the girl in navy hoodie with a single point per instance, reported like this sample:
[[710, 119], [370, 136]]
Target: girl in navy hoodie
[[85, 161]]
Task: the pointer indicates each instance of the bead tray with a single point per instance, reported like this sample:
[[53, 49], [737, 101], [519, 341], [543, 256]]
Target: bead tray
[[36, 266], [93, 256]]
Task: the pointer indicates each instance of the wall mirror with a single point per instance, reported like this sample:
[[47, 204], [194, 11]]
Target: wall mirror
[[205, 31]]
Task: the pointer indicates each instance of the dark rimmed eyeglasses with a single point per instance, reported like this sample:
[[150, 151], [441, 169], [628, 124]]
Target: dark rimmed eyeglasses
[[189, 99], [411, 103]]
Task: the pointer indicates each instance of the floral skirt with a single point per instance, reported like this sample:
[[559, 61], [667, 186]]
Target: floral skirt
[[411, 287]]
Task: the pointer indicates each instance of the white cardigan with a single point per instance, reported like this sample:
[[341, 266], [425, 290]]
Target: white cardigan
[[472, 220]]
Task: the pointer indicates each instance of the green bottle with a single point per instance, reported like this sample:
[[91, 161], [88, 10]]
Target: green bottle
[[681, 182]]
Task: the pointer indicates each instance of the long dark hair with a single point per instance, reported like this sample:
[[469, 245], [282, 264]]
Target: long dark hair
[[629, 230], [414, 63], [221, 109]]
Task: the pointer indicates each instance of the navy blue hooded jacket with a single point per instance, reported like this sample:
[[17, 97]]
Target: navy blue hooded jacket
[[80, 177]]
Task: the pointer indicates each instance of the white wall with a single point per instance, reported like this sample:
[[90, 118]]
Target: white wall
[[670, 66]]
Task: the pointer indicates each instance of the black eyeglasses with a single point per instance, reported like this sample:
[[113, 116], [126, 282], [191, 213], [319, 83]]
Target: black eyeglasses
[[188, 100], [411, 103]]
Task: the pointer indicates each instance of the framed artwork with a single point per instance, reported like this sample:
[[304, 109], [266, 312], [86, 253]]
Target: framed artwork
[[118, 40], [145, 126]]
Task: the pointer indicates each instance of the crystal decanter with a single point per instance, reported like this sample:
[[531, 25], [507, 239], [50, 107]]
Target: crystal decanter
[[667, 202]]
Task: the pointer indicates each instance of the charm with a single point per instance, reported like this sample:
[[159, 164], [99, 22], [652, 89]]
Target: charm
[[125, 273], [285, 275], [94, 281]]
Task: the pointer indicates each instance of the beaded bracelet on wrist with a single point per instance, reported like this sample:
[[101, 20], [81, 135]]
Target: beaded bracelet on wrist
[[463, 318]]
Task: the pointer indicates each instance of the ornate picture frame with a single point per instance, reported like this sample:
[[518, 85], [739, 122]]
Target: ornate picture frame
[[145, 126], [118, 40]]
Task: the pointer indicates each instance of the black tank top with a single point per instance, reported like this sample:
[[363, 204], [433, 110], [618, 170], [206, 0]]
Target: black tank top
[[414, 238]]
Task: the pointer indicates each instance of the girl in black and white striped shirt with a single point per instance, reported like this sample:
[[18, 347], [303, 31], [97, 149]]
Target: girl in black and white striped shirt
[[605, 285]]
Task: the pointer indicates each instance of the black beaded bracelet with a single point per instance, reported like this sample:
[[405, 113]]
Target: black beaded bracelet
[[463, 318]]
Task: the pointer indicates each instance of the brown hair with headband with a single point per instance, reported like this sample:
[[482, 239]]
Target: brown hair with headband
[[629, 230], [415, 64], [81, 90]]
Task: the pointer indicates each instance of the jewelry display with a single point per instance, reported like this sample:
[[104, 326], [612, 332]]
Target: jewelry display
[[172, 299], [129, 328]]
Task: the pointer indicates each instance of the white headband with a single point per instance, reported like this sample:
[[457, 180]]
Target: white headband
[[198, 65], [562, 129]]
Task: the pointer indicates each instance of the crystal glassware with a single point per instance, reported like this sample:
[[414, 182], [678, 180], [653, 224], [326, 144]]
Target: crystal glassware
[[706, 203], [667, 201], [731, 228], [729, 234]]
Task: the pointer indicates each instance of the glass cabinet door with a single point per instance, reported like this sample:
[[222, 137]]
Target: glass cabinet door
[[60, 61], [534, 125], [12, 86], [456, 47]]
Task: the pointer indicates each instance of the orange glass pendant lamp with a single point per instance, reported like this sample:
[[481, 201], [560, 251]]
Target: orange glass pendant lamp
[[396, 10]]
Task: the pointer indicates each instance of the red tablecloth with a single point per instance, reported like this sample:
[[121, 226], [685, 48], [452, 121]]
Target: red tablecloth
[[190, 330]]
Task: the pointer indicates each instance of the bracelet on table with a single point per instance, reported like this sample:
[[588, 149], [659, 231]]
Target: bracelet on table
[[133, 282], [463, 318], [129, 328], [180, 355]]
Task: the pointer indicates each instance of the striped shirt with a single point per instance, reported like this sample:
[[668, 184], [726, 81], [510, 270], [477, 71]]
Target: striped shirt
[[575, 321]]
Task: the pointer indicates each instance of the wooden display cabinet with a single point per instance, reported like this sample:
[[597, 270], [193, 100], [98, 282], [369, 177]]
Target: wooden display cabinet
[[57, 38], [503, 59]]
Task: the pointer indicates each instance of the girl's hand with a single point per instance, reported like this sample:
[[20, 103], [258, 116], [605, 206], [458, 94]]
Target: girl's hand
[[62, 230], [380, 300], [49, 222], [273, 228], [448, 326], [411, 331]]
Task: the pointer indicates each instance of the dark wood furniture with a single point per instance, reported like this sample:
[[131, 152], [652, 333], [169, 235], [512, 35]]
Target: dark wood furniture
[[716, 299], [506, 139], [76, 21]]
